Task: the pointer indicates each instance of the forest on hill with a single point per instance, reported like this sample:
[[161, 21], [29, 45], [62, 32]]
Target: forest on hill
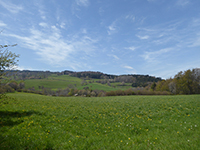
[[90, 83], [134, 80]]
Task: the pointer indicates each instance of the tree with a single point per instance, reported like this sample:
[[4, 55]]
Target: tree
[[172, 87], [8, 60], [153, 86]]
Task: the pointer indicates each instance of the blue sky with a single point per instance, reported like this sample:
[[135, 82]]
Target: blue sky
[[155, 37]]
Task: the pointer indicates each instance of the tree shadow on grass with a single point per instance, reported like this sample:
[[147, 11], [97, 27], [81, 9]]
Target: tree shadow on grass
[[6, 118]]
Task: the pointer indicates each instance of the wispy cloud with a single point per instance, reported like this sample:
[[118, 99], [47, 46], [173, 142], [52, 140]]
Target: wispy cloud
[[114, 56], [112, 28], [11, 7], [42, 14], [128, 67], [131, 17], [101, 11], [132, 48], [55, 50], [145, 37], [43, 24], [41, 9], [23, 68], [171, 33], [2, 24], [152, 56], [82, 2], [195, 43], [183, 2], [62, 25], [84, 31]]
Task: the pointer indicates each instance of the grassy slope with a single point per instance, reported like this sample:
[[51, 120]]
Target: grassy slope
[[55, 82], [129, 122], [99, 86]]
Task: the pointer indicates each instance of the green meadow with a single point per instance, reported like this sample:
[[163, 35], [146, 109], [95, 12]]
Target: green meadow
[[55, 82], [30, 121]]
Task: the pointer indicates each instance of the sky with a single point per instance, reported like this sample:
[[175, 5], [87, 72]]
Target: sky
[[154, 37]]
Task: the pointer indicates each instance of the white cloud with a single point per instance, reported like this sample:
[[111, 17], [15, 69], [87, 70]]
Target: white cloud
[[43, 24], [2, 24], [143, 37], [131, 17], [112, 28], [62, 25], [195, 43], [128, 67], [132, 48], [23, 68], [11, 7], [114, 56], [41, 9], [82, 2], [55, 50], [152, 56], [42, 14]]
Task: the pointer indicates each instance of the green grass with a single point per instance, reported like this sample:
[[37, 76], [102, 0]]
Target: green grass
[[55, 82], [99, 86], [131, 122]]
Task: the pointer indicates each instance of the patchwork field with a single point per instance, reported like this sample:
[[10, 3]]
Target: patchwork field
[[29, 121]]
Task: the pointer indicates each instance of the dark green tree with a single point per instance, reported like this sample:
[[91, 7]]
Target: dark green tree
[[153, 86]]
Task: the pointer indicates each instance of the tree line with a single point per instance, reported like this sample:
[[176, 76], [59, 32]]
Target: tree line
[[187, 82]]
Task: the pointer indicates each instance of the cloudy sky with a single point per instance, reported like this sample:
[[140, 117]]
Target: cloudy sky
[[155, 37]]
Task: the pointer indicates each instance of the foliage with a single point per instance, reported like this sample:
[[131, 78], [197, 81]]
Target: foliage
[[7, 61], [153, 86], [132, 122], [7, 58], [187, 82]]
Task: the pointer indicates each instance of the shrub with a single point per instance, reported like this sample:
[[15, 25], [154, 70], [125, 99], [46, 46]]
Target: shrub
[[9, 89], [101, 94], [129, 92], [119, 92], [111, 93]]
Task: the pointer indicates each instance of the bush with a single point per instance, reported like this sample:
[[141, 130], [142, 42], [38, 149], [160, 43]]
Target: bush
[[70, 94], [9, 89], [119, 92], [129, 92], [111, 93], [101, 94]]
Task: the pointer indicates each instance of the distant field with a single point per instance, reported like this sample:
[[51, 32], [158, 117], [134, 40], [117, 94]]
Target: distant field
[[99, 86], [56, 82], [53, 82], [128, 122]]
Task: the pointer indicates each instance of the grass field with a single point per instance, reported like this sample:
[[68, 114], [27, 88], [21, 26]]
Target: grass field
[[55, 82], [131, 122]]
